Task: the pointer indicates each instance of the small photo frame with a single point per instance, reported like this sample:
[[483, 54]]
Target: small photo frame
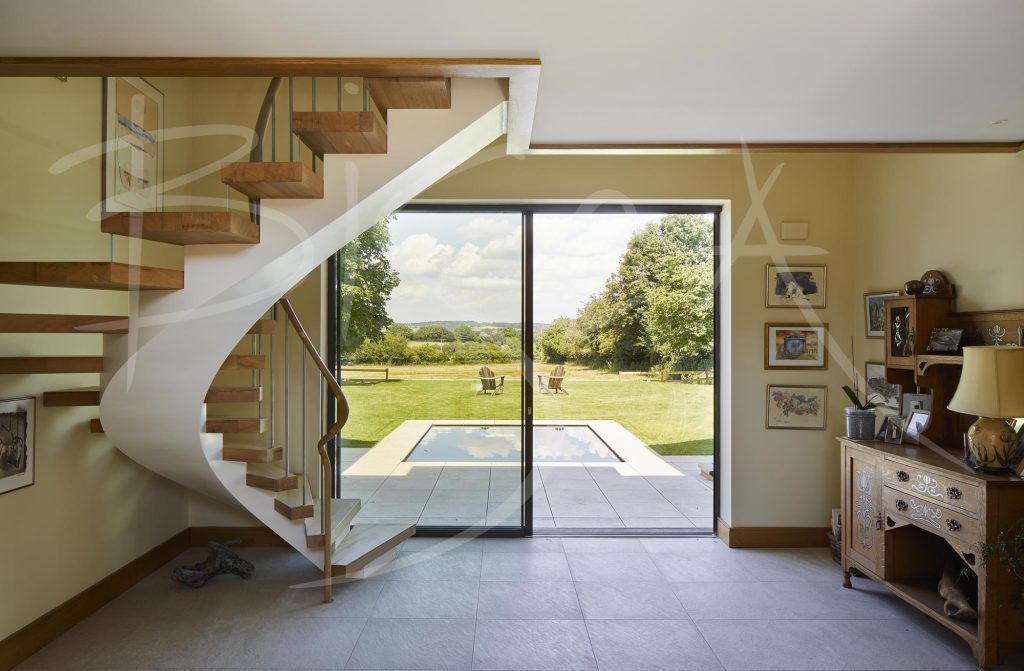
[[917, 422], [17, 443], [911, 402], [789, 346], [944, 340], [874, 312], [795, 287], [876, 389], [892, 430], [796, 407]]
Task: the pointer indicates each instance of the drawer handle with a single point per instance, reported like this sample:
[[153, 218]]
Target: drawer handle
[[902, 476], [954, 493], [901, 505], [890, 521], [952, 525]]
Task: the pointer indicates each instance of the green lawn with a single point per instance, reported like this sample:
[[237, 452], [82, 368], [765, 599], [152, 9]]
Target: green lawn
[[672, 418]]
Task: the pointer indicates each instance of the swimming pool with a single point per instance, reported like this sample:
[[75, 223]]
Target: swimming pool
[[551, 444]]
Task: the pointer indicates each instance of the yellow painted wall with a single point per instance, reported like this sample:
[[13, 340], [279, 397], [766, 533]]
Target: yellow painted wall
[[92, 510]]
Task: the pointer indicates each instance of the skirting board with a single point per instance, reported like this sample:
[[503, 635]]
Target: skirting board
[[28, 640], [772, 537]]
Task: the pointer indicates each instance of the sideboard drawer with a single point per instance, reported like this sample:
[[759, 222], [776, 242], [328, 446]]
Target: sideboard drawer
[[931, 515], [933, 486]]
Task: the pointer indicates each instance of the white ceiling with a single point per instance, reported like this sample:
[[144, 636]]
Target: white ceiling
[[640, 72]]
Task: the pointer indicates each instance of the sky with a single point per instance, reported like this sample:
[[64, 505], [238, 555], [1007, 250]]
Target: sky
[[467, 266]]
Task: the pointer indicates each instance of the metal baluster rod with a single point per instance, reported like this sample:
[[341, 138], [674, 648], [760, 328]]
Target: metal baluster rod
[[273, 337], [339, 94], [312, 88], [366, 96], [273, 130], [287, 406], [291, 108], [304, 472]]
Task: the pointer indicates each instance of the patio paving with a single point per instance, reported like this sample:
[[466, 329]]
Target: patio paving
[[565, 495]]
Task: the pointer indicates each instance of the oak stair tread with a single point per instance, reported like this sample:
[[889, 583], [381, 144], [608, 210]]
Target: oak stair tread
[[366, 542], [341, 132], [410, 92], [90, 275], [273, 180], [95, 426], [31, 365], [43, 323], [244, 362], [237, 424], [263, 327], [184, 228], [234, 395], [72, 397], [343, 511], [295, 504], [270, 477], [252, 455]]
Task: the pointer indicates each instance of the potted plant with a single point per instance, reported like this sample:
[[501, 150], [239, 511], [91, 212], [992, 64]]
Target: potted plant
[[1008, 550], [860, 419]]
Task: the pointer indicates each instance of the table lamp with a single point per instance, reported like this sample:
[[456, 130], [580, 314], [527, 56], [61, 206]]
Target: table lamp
[[992, 387]]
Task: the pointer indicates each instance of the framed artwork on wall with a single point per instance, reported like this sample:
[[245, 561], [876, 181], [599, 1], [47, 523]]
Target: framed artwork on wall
[[874, 312], [795, 287], [796, 407], [877, 389], [133, 161], [788, 346], [17, 443]]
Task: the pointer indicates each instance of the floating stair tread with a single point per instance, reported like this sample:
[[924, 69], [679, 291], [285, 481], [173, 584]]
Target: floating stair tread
[[237, 424], [270, 477], [30, 365], [263, 327], [244, 362], [273, 180], [234, 395], [36, 323], [184, 228], [252, 455], [366, 542], [90, 275], [72, 397], [410, 92], [295, 504], [95, 426], [343, 511], [341, 132]]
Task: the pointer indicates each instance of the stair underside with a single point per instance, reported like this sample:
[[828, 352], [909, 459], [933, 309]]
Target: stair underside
[[90, 275], [269, 477], [244, 362], [252, 455], [410, 92], [37, 323], [366, 542], [343, 511], [184, 228], [237, 424], [273, 180], [263, 327], [31, 365], [341, 132]]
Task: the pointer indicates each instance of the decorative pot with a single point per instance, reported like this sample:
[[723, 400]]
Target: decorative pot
[[860, 424], [914, 287], [993, 445]]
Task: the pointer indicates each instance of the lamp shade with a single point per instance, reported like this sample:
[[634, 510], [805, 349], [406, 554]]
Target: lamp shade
[[992, 383]]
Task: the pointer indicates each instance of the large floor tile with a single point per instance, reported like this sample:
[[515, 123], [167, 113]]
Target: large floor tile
[[528, 601], [612, 567], [294, 643], [611, 522], [529, 566], [353, 598], [770, 645], [539, 645], [704, 567], [603, 545], [650, 645], [676, 522], [427, 598], [432, 566], [622, 600], [414, 644], [536, 544], [787, 565]]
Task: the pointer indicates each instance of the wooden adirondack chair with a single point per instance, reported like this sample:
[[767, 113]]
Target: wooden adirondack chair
[[553, 385], [490, 384]]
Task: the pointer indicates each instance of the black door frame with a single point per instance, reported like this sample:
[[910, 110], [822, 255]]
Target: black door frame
[[527, 210]]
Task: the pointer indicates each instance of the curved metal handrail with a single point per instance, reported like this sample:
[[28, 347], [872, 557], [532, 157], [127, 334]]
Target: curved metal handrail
[[256, 153], [321, 446]]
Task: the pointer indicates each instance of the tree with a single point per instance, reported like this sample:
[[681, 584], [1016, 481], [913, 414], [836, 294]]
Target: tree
[[465, 334], [679, 319], [403, 330], [390, 349], [433, 334], [366, 280]]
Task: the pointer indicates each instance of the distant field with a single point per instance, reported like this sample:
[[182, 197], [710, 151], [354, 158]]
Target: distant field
[[672, 418]]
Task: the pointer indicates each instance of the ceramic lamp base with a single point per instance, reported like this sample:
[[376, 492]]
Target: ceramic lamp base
[[993, 445]]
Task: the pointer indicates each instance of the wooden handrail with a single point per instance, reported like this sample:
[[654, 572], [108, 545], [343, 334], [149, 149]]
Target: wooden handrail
[[256, 153], [321, 446]]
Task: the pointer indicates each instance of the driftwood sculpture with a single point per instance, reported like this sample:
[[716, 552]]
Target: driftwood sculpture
[[953, 588], [220, 560]]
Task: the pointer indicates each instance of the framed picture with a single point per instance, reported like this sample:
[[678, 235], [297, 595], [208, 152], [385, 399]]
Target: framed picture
[[17, 443], [796, 407], [795, 287], [874, 312], [944, 341], [877, 390], [133, 161], [892, 430], [917, 422], [795, 346], [913, 402]]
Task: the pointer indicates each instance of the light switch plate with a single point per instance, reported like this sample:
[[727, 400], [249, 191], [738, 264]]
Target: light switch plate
[[795, 230]]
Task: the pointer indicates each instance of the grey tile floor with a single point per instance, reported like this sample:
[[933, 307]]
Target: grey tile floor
[[564, 496], [541, 603]]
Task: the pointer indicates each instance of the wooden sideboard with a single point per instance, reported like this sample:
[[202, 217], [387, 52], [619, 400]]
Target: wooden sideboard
[[906, 509]]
